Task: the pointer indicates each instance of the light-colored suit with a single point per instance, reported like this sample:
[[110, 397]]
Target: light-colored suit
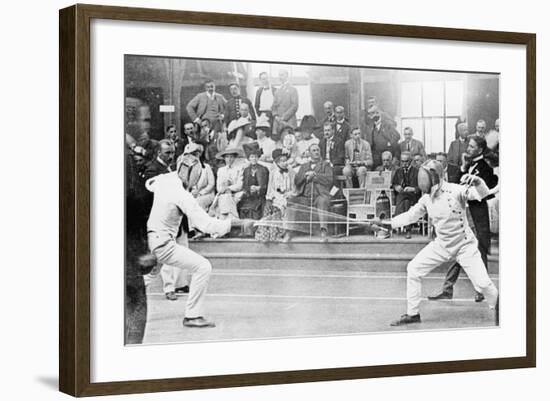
[[285, 104]]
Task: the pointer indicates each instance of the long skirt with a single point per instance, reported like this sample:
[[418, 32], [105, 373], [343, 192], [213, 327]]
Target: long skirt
[[271, 233]]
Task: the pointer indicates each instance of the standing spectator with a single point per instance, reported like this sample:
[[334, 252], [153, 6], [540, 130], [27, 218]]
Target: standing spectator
[[497, 125], [229, 185], [358, 159], [458, 147], [474, 163], [333, 149], [285, 104], [265, 95], [255, 180], [207, 104], [342, 127], [233, 105], [330, 117], [481, 128], [371, 116], [451, 172], [411, 145], [313, 183], [280, 187], [405, 184], [383, 137]]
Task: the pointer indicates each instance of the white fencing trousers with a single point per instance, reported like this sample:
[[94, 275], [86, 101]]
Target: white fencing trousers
[[181, 257], [432, 256], [172, 278]]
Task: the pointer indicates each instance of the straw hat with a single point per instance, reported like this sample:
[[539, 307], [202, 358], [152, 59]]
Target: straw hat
[[263, 122], [236, 124], [230, 151]]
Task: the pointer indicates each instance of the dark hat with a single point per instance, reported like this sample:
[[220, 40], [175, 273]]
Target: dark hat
[[252, 148], [276, 154], [308, 123]]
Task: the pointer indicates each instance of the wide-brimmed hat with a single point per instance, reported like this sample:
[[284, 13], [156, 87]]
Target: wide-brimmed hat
[[277, 153], [263, 122], [236, 124], [308, 123], [192, 147], [229, 151], [252, 148]]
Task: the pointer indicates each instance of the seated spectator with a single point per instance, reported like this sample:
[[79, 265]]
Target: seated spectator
[[288, 145], [163, 161], [171, 133], [307, 127], [263, 138], [228, 186], [149, 146], [281, 186], [237, 139], [417, 160], [313, 184], [451, 172], [204, 189], [211, 138], [387, 164], [358, 159], [255, 180], [332, 149], [405, 184], [411, 145]]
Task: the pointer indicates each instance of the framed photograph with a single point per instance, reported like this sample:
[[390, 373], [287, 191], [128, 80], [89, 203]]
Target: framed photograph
[[251, 200]]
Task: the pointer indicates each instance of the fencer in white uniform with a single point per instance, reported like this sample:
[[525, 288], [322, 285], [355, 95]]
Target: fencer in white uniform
[[445, 204], [171, 202]]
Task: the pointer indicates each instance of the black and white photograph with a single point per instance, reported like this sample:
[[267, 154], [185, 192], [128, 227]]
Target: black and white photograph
[[268, 200]]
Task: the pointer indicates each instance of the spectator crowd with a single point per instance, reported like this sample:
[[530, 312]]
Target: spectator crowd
[[250, 159]]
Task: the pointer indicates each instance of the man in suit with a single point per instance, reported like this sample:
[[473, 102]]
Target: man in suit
[[171, 133], [411, 145], [342, 127], [328, 108], [358, 159], [313, 183], [451, 172], [233, 105], [481, 128], [387, 164], [285, 104], [332, 148], [405, 185], [474, 163], [458, 147], [383, 137], [207, 104], [265, 95]]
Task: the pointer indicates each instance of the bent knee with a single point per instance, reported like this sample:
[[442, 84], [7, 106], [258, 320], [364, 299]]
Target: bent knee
[[205, 267]]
